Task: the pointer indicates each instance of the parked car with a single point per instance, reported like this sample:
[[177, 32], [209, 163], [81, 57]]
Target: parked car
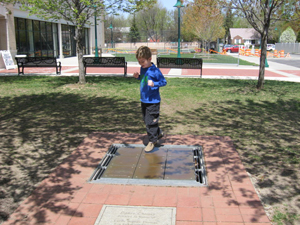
[[270, 47], [231, 48]]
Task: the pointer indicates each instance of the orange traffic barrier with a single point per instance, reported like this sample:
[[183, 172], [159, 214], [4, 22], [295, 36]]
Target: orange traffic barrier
[[242, 51], [248, 52], [275, 53], [257, 53], [281, 53], [269, 54]]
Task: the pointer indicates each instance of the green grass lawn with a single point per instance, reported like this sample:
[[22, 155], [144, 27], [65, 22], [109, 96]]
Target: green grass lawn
[[207, 58], [43, 119]]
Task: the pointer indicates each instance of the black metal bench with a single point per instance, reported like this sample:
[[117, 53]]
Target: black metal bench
[[23, 62], [183, 63], [105, 62]]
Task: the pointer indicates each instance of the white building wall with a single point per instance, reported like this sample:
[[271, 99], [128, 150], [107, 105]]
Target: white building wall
[[7, 34], [8, 38], [100, 28], [100, 34]]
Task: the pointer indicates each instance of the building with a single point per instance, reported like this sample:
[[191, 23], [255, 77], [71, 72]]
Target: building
[[244, 36], [24, 34]]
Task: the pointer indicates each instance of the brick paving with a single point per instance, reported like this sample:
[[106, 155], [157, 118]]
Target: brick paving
[[66, 198], [207, 72]]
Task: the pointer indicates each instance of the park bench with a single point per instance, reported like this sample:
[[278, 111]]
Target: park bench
[[23, 62], [105, 62], [183, 63]]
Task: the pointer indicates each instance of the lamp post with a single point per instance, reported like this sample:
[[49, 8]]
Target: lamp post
[[111, 34], [96, 43], [266, 61], [178, 5]]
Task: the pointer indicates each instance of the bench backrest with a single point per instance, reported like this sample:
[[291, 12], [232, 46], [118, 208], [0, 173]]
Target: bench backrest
[[36, 61], [192, 63], [104, 61]]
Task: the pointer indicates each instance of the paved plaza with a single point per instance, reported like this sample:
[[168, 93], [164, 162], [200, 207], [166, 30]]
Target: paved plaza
[[284, 69], [67, 198]]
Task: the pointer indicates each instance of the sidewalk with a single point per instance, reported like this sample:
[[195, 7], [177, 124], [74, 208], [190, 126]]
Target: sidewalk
[[276, 71], [66, 198]]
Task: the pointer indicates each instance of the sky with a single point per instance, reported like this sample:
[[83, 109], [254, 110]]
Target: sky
[[168, 4]]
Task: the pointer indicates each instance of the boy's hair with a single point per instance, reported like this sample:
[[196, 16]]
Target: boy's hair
[[143, 52]]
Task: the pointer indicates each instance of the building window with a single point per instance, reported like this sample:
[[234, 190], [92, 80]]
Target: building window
[[69, 43], [36, 38], [237, 41]]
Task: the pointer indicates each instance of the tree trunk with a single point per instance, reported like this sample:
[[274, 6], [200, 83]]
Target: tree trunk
[[78, 38], [263, 56]]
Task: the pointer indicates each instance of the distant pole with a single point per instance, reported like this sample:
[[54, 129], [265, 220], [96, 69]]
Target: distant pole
[[96, 43], [178, 5], [266, 61], [111, 34]]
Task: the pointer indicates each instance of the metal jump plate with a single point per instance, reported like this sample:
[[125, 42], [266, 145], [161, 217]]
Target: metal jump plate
[[168, 165]]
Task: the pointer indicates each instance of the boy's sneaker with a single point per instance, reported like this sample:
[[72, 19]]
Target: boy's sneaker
[[150, 147], [160, 135]]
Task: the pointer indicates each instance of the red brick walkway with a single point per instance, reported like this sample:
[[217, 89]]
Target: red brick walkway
[[67, 70], [66, 198]]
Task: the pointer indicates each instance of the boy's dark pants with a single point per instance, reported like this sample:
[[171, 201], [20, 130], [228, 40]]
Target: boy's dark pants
[[151, 116]]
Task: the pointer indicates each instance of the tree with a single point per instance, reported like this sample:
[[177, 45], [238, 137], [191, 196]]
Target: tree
[[134, 32], [119, 22], [228, 23], [153, 21], [78, 13], [288, 36], [203, 18], [171, 27], [261, 15]]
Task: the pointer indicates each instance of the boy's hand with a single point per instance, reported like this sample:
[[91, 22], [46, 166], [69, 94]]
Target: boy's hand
[[136, 75], [150, 83]]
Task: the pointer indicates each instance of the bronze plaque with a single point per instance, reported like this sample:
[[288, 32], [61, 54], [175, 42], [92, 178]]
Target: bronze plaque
[[157, 151], [121, 171], [180, 168], [153, 172], [124, 160], [180, 152], [152, 160], [169, 165], [129, 151]]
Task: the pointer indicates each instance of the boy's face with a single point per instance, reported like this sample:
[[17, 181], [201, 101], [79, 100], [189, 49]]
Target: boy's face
[[145, 63]]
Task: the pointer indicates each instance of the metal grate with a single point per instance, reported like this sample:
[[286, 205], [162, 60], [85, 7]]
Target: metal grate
[[104, 163], [174, 165], [199, 166]]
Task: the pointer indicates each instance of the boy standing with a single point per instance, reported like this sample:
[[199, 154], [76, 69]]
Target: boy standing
[[150, 80]]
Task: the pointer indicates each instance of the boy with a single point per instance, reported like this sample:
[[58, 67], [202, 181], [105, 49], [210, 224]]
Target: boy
[[150, 80]]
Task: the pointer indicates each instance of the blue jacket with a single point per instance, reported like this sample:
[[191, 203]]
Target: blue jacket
[[151, 94]]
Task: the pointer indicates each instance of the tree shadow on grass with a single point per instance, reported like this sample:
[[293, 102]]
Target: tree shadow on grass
[[39, 131], [266, 135]]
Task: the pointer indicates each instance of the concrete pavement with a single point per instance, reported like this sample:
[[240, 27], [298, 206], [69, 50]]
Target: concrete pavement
[[278, 70]]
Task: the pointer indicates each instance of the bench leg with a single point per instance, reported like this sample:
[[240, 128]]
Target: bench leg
[[20, 70], [125, 71], [58, 70]]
